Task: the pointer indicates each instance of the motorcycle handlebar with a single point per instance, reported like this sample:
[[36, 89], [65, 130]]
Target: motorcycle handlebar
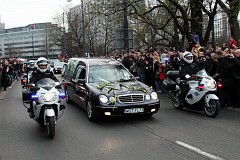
[[195, 78]]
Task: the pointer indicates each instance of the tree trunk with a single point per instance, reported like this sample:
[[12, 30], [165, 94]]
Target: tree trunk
[[232, 12], [176, 37], [197, 18], [234, 26], [210, 28]]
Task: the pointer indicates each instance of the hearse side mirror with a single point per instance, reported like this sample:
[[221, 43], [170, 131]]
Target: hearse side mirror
[[81, 81]]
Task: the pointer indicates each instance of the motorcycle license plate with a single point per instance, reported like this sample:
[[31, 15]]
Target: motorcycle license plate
[[134, 110]]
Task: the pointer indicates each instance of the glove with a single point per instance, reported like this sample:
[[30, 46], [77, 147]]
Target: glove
[[187, 76]]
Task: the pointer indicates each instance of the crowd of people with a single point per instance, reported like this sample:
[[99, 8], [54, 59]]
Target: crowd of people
[[150, 65], [222, 63], [10, 70]]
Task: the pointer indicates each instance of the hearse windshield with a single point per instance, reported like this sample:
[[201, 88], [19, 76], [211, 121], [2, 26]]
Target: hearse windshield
[[108, 73]]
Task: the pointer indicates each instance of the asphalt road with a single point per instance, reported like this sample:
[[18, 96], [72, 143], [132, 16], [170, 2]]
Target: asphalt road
[[169, 135]]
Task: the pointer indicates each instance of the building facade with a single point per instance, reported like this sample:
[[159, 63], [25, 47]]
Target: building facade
[[221, 26], [99, 29], [103, 28], [31, 41]]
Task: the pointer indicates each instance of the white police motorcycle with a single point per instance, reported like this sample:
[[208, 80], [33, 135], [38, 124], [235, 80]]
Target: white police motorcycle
[[201, 95], [46, 103]]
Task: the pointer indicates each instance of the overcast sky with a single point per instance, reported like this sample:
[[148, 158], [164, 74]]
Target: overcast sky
[[16, 13]]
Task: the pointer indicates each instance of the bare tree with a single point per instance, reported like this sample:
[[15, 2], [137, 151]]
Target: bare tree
[[232, 8]]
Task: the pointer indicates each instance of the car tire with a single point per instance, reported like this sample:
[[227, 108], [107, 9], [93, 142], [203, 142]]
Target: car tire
[[91, 112], [68, 99]]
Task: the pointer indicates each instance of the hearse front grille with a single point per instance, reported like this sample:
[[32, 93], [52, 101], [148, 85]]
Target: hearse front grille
[[131, 98]]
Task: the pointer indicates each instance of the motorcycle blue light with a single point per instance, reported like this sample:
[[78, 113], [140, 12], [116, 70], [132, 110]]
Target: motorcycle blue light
[[62, 95], [34, 97]]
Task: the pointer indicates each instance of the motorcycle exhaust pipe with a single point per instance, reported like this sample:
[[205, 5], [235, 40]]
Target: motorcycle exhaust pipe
[[172, 95], [175, 98]]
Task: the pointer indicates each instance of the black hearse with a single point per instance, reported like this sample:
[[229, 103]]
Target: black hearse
[[104, 87]]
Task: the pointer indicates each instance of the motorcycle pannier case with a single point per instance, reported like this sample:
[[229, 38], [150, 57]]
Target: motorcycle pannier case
[[169, 85], [172, 74], [26, 95]]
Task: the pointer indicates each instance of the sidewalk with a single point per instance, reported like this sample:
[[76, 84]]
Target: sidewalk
[[3, 93]]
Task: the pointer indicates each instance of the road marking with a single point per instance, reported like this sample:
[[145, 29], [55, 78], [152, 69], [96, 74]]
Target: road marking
[[199, 151]]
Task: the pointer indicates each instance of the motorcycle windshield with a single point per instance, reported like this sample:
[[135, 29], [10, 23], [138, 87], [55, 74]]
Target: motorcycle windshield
[[46, 83], [202, 73]]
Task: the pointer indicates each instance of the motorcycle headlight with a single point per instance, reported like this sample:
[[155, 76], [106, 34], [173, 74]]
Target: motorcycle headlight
[[154, 95], [48, 97], [147, 97], [211, 85], [103, 98]]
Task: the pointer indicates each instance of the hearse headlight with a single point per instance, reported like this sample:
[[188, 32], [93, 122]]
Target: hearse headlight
[[154, 95], [103, 98], [147, 97]]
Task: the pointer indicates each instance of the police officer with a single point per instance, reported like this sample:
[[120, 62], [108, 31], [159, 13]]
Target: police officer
[[186, 69], [31, 66], [41, 72]]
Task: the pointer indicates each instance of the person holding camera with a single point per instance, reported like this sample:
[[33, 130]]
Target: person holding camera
[[224, 76], [236, 78]]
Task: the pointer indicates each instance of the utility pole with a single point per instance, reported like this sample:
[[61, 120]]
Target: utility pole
[[32, 45], [46, 36], [125, 25], [64, 37], [83, 28]]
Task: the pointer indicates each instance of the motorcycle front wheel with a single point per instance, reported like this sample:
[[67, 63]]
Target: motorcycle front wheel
[[213, 109], [51, 127]]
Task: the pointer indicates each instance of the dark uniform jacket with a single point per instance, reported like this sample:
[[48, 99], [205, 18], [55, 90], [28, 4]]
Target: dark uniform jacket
[[186, 68], [37, 75], [225, 70]]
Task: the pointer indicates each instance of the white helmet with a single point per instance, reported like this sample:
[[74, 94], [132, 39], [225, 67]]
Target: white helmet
[[42, 64], [188, 57], [31, 64]]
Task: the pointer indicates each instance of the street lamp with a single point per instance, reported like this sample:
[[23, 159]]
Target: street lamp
[[125, 25], [32, 45], [64, 36], [83, 24]]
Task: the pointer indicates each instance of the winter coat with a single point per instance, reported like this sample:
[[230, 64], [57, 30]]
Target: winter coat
[[37, 75], [186, 68]]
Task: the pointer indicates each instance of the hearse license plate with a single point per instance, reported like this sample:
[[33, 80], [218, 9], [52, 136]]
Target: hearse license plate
[[134, 110]]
